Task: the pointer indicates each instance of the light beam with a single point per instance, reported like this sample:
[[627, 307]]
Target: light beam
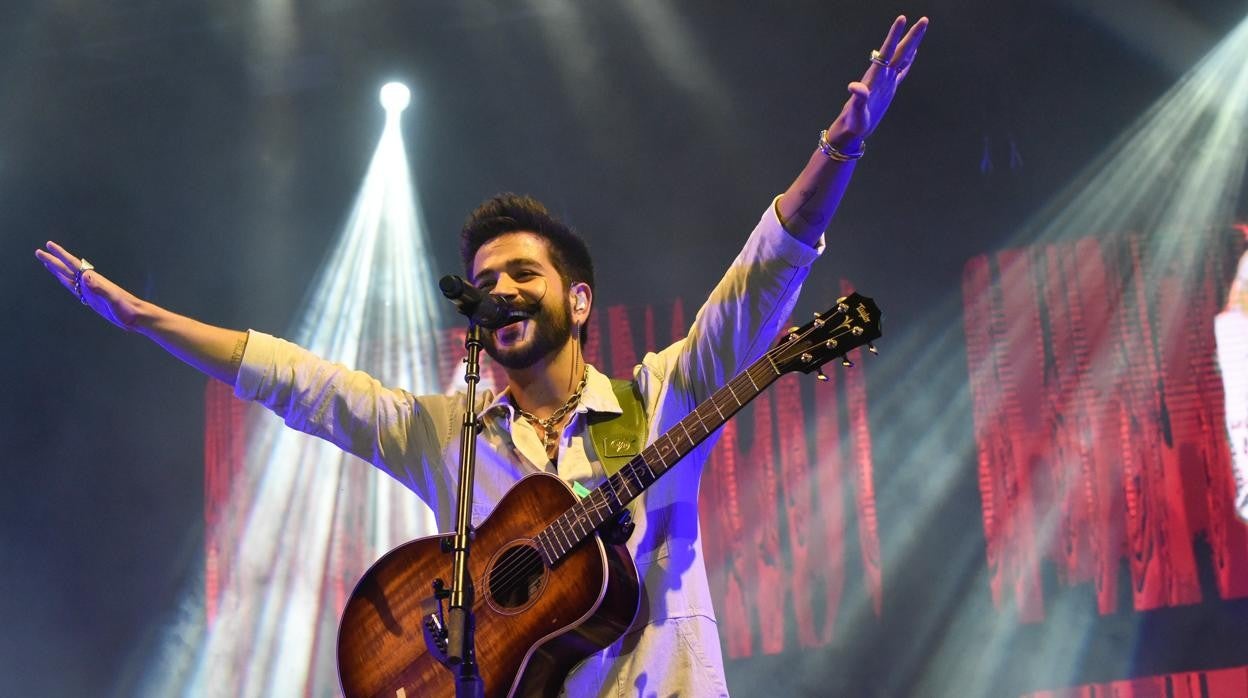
[[306, 519]]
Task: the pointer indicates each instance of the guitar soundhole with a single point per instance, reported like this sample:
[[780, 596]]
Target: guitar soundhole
[[516, 577]]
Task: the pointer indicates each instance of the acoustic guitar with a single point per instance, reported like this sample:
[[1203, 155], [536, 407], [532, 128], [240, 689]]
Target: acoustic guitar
[[549, 588]]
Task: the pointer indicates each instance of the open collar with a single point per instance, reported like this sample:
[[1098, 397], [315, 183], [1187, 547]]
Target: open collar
[[598, 397]]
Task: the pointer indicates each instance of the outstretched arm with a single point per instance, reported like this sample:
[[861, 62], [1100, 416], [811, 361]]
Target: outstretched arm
[[213, 350], [807, 206]]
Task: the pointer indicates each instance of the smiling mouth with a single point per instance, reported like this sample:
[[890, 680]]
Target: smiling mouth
[[511, 332]]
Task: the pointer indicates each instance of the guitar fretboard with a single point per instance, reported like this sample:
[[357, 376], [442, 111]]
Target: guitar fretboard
[[610, 498]]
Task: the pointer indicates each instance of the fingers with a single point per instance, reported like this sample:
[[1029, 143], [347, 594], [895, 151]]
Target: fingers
[[64, 268], [892, 37], [885, 50], [57, 269], [70, 261], [856, 112], [898, 50], [859, 93], [905, 52], [54, 265]]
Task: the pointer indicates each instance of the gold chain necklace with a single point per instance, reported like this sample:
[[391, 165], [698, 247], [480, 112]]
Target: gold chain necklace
[[549, 426]]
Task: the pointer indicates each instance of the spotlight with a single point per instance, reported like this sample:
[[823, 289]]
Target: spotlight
[[370, 307], [395, 97]]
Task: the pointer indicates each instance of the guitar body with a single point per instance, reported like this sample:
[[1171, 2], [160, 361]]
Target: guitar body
[[533, 623]]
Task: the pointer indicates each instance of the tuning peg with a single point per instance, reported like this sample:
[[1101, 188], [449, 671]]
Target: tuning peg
[[847, 363], [821, 376], [871, 348]]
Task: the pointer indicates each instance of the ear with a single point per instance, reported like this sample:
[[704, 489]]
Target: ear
[[582, 297]]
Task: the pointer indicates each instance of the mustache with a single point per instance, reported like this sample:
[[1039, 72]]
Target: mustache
[[525, 307]]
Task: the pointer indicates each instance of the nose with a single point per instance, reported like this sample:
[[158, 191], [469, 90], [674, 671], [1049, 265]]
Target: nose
[[505, 286]]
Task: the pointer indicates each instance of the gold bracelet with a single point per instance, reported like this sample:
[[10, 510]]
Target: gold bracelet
[[833, 154]]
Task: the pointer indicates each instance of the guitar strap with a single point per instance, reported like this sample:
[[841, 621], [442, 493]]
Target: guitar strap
[[617, 438]]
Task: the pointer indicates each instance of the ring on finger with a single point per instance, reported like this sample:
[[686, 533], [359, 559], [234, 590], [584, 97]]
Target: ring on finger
[[878, 59], [83, 267]]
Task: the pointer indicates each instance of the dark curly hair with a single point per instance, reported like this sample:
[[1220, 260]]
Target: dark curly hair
[[511, 213]]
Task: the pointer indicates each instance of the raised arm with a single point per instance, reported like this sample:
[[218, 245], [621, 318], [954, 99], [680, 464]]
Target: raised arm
[[807, 206], [754, 300], [213, 350]]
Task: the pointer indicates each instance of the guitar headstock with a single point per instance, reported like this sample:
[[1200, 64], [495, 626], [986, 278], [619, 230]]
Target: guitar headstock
[[853, 322]]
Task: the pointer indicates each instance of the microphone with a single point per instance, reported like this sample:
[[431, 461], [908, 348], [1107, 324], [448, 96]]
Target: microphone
[[483, 309]]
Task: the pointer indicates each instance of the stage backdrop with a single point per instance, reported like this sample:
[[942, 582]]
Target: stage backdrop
[[1099, 421], [1103, 461]]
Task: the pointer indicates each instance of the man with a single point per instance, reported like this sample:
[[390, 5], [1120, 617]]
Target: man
[[512, 247]]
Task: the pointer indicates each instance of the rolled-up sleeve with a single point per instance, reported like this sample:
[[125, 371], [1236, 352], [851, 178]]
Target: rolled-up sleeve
[[385, 426]]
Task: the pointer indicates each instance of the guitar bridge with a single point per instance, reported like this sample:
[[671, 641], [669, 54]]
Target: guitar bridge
[[433, 625]]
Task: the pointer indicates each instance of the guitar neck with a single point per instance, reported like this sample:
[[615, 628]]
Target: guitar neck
[[610, 498]]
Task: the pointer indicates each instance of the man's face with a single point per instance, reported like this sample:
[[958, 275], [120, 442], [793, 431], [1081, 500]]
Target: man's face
[[518, 266]]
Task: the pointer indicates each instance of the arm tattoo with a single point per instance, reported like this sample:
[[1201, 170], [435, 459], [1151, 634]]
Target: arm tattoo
[[813, 218], [236, 359]]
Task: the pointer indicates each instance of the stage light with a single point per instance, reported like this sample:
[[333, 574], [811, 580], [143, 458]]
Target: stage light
[[304, 518], [395, 97]]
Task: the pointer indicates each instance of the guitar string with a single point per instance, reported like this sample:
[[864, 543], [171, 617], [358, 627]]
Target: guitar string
[[512, 573]]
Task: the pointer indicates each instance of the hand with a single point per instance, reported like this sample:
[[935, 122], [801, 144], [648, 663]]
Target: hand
[[106, 298], [870, 97]]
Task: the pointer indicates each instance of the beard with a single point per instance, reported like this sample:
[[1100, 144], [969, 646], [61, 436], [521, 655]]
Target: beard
[[552, 327]]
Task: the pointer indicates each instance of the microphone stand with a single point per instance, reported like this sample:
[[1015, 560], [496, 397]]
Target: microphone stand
[[461, 654], [486, 310]]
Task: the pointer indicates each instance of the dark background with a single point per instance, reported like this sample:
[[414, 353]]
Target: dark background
[[206, 163]]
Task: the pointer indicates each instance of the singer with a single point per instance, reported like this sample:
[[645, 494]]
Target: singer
[[541, 273]]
